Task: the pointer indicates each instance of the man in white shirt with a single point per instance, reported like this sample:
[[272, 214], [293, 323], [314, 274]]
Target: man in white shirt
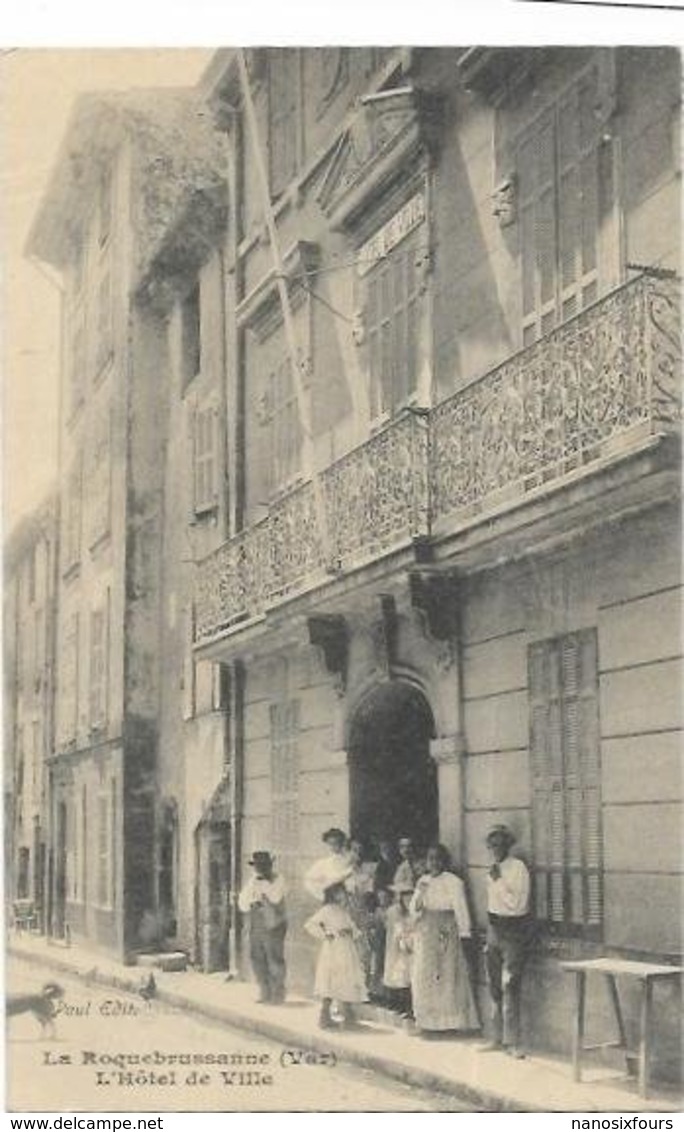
[[263, 900], [508, 938]]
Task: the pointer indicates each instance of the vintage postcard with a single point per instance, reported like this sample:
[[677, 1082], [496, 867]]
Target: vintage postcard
[[342, 614]]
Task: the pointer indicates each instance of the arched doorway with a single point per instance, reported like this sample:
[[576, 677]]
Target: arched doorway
[[392, 779]]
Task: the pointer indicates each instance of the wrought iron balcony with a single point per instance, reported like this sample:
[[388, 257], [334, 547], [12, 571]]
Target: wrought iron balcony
[[376, 502], [600, 386], [597, 387]]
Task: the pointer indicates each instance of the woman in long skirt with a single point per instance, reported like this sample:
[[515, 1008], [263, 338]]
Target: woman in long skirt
[[442, 993]]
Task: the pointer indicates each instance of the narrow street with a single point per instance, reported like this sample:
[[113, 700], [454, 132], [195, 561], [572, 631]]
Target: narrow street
[[94, 1062]]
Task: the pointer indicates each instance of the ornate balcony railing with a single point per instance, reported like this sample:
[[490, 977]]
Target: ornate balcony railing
[[594, 389], [376, 501], [596, 386]]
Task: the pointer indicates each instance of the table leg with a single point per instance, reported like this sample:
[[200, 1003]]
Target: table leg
[[578, 1031], [617, 1009], [645, 1035]]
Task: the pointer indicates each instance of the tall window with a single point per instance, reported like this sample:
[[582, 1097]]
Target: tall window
[[566, 795], [98, 667], [205, 456], [285, 427], [283, 116], [565, 186], [391, 319], [285, 785]]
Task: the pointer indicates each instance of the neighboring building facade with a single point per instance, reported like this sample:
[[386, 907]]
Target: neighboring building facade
[[29, 672], [127, 163], [459, 603]]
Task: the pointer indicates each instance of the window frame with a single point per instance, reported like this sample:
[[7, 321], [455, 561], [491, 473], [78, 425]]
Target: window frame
[[569, 296]]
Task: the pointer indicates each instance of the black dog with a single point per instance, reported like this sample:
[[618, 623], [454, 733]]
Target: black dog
[[41, 1004]]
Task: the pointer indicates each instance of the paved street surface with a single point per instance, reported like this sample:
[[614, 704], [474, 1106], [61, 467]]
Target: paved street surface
[[87, 1066]]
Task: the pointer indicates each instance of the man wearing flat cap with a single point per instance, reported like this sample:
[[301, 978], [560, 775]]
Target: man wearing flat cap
[[508, 938], [263, 900]]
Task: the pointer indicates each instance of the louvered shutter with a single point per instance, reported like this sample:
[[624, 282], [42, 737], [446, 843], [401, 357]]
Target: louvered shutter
[[285, 785], [566, 797]]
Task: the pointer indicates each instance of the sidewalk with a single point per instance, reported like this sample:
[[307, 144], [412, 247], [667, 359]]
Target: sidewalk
[[490, 1081]]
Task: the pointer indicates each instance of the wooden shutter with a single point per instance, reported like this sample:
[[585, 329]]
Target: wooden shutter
[[205, 458], [565, 766]]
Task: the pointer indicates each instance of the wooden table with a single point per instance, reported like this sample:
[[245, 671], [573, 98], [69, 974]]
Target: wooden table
[[648, 974]]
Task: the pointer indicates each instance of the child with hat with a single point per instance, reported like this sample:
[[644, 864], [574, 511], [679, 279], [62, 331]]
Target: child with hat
[[399, 948], [263, 900], [339, 974]]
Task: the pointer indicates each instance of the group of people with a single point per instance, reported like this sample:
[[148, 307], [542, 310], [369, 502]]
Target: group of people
[[397, 930]]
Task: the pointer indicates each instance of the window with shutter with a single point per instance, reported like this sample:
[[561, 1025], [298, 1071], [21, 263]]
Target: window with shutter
[[392, 312], [563, 176], [205, 442], [283, 117], [285, 786], [566, 797]]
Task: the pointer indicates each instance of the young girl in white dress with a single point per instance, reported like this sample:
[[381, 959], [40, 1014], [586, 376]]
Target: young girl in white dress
[[339, 974]]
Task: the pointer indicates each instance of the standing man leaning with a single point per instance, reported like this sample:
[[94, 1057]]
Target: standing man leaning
[[508, 938], [263, 900]]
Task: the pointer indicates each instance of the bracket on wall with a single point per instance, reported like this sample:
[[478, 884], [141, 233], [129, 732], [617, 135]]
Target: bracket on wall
[[436, 597], [331, 634]]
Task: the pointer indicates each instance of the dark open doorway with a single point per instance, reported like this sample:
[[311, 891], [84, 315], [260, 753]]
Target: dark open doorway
[[392, 779]]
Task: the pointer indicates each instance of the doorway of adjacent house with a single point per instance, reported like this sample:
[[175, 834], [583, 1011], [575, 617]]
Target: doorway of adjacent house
[[393, 780]]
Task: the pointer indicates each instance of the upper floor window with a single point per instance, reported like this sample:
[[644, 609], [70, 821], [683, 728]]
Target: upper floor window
[[565, 181], [191, 338], [566, 790], [283, 116], [392, 314], [205, 457]]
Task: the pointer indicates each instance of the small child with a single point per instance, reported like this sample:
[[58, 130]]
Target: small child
[[399, 948], [339, 974]]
